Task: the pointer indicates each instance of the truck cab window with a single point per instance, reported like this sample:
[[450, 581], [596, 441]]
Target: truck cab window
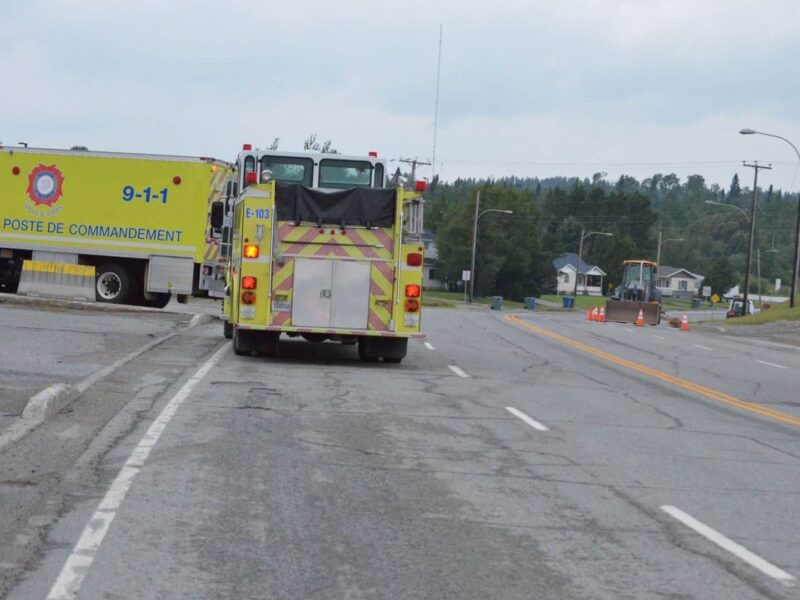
[[343, 174], [248, 167], [289, 170]]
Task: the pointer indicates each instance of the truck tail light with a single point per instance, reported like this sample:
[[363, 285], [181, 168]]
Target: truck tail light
[[251, 177], [414, 259], [249, 283], [248, 297], [251, 251], [412, 291], [420, 186], [412, 305]]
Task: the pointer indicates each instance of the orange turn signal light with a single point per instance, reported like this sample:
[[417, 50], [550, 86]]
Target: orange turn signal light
[[251, 251], [249, 283], [412, 305], [248, 297], [412, 290]]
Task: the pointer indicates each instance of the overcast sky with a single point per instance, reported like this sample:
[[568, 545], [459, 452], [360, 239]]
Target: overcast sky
[[532, 88]]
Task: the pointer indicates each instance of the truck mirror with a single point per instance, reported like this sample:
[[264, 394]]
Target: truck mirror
[[217, 213]]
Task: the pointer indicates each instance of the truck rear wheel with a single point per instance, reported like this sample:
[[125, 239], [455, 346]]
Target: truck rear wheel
[[159, 300], [242, 342], [112, 284]]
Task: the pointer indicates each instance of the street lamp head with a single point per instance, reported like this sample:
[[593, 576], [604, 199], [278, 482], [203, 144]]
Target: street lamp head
[[747, 131], [507, 212]]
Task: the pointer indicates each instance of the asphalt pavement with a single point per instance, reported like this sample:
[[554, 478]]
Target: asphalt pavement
[[531, 455]]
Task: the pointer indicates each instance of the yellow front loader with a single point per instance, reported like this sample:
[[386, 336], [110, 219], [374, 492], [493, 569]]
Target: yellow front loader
[[636, 293]]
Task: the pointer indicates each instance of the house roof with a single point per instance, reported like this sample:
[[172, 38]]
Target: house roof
[[669, 272], [569, 261]]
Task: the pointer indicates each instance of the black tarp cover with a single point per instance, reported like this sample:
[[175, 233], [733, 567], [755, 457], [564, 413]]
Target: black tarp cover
[[365, 207]]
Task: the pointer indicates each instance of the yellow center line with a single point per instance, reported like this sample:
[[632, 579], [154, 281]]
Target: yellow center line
[[676, 381]]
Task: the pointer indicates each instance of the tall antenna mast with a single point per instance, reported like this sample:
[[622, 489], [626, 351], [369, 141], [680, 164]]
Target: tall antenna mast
[[436, 110]]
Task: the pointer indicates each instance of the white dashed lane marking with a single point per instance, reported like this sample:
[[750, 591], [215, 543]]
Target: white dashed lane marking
[[458, 371], [728, 544], [530, 421]]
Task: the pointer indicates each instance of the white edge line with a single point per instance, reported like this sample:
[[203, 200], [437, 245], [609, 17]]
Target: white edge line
[[77, 565], [769, 364], [702, 347], [532, 422], [24, 426], [429, 346], [727, 544], [458, 371], [659, 337]]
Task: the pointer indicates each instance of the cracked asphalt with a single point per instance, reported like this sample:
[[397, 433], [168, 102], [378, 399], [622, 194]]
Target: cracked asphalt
[[316, 476]]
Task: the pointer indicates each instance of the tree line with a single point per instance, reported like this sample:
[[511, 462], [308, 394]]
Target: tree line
[[516, 252]]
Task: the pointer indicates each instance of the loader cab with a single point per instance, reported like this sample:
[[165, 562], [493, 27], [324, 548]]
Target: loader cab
[[638, 282], [314, 170]]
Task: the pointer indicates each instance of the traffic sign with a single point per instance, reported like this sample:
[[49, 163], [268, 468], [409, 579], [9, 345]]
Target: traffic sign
[[466, 275], [706, 291], [715, 298]]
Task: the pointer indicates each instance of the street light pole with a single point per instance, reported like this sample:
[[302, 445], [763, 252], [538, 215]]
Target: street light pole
[[584, 235], [796, 257], [478, 215], [658, 251]]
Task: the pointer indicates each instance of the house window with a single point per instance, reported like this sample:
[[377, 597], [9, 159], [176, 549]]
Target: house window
[[662, 283], [433, 274], [697, 285], [565, 277], [683, 285]]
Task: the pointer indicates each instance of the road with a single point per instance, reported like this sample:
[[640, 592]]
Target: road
[[531, 455]]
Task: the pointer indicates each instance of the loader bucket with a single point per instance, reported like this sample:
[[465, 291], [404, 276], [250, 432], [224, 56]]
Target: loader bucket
[[627, 312]]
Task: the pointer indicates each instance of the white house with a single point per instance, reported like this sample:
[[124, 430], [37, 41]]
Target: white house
[[590, 278], [430, 272], [676, 282]]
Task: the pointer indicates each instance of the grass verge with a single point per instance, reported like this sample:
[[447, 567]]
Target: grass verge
[[782, 312]]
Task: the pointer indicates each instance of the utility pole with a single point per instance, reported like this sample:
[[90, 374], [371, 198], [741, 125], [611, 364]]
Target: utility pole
[[796, 257], [474, 243], [413, 162], [436, 110], [756, 167]]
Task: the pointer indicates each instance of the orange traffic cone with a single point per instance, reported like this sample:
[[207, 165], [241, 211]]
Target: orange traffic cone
[[640, 319], [602, 314], [685, 323], [588, 314], [594, 314]]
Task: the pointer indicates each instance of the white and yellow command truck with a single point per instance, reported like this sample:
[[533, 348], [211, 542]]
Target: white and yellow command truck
[[341, 261], [135, 227]]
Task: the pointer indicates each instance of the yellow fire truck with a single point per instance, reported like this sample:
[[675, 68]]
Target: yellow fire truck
[[339, 261], [134, 227]]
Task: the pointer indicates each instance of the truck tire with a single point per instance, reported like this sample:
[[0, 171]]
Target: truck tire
[[112, 284], [266, 343], [365, 351], [227, 329], [160, 300], [242, 342]]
